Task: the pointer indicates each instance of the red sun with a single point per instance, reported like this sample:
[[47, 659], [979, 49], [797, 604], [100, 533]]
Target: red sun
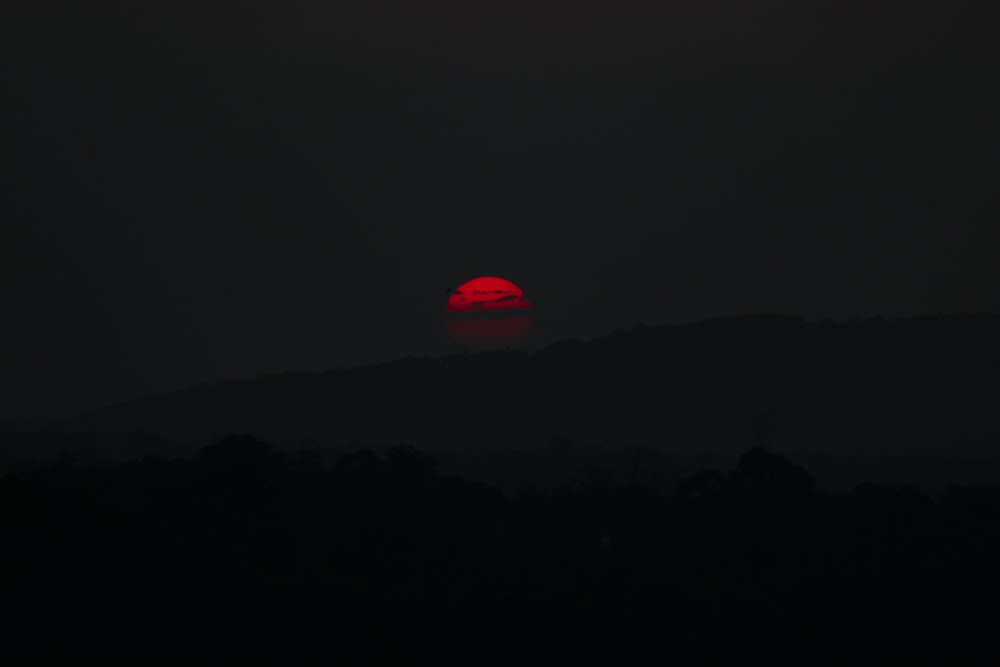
[[488, 312]]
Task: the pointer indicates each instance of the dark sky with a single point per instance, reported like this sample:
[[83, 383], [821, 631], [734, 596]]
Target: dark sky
[[199, 191]]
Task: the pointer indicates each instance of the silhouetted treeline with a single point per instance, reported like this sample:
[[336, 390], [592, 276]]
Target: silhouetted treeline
[[249, 555]]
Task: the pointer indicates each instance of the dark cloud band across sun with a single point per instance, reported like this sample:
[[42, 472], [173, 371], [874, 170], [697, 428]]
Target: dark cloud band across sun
[[487, 293]]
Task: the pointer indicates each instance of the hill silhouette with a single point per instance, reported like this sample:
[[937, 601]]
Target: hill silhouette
[[915, 387]]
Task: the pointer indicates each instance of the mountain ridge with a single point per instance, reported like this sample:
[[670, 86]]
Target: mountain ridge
[[652, 385]]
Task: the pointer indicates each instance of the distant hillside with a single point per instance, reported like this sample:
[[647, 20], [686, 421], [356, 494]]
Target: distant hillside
[[928, 385]]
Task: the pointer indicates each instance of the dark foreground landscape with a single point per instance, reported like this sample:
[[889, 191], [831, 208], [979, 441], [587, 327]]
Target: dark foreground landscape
[[249, 556], [747, 491]]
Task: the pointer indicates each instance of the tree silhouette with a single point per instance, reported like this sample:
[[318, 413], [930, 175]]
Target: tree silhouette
[[244, 556]]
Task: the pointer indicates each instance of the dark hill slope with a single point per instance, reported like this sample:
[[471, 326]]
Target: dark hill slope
[[913, 383]]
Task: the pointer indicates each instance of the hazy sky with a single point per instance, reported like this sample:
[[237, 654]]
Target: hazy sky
[[199, 191]]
